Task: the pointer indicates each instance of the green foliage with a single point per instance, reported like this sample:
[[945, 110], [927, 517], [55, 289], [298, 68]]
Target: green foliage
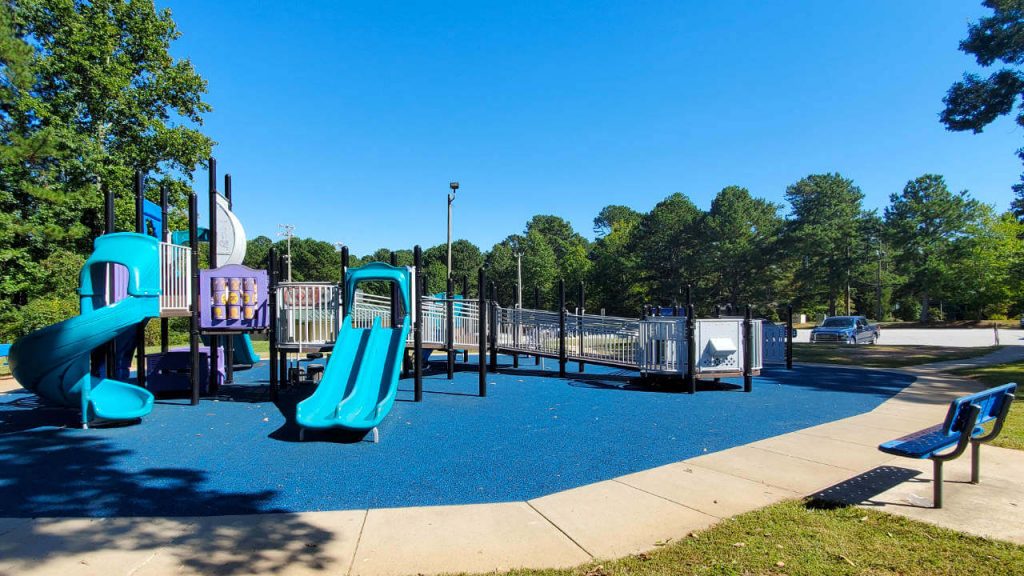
[[930, 224], [975, 102], [667, 242]]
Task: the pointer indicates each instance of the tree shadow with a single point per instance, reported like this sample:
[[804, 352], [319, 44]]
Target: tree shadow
[[876, 383], [65, 474]]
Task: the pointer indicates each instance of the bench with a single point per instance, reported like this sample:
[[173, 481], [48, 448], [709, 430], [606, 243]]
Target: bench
[[962, 426], [5, 350]]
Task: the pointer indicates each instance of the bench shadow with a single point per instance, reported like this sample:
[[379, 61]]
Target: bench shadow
[[864, 488], [55, 473]]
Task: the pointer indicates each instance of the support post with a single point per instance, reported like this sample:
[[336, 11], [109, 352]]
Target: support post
[[165, 328], [561, 329], [748, 351], [282, 263], [515, 327], [343, 304], [581, 295], [789, 337], [417, 327], [449, 332], [140, 328], [193, 331], [465, 297], [536, 306], [481, 355], [494, 327], [936, 483], [691, 351], [275, 382], [229, 342], [109, 353], [395, 296], [214, 339]]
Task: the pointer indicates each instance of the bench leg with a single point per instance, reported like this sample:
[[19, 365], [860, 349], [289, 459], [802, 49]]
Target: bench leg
[[937, 484], [975, 462]]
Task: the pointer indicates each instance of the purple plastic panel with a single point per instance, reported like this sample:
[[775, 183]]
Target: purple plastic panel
[[233, 297]]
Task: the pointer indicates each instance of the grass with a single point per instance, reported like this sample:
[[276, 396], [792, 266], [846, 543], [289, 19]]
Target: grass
[[1012, 435], [262, 347], [881, 356], [795, 538]]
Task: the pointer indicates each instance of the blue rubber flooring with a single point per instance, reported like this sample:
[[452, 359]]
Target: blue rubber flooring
[[533, 434]]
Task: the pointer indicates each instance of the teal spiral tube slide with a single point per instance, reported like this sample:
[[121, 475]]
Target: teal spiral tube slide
[[53, 362]]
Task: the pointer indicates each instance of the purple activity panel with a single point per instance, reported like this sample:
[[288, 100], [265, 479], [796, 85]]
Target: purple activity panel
[[233, 297]]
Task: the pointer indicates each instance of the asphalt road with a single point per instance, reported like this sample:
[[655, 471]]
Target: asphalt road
[[956, 337]]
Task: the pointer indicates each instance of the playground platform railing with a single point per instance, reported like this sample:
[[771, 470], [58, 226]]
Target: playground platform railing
[[175, 279], [602, 339], [308, 314], [663, 347], [527, 331], [368, 307], [465, 322]]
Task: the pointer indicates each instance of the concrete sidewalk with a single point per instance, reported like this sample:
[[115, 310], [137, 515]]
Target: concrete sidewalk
[[632, 513]]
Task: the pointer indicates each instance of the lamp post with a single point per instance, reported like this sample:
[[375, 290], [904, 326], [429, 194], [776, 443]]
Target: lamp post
[[878, 284], [288, 231], [451, 198], [517, 249]]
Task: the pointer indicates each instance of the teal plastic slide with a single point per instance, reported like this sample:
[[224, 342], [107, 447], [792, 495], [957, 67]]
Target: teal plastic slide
[[360, 382], [244, 352], [53, 362]]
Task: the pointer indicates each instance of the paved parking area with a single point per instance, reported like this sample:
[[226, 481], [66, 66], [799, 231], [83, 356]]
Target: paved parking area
[[956, 337]]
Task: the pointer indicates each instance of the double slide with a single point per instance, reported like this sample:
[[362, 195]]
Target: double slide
[[360, 382], [54, 362]]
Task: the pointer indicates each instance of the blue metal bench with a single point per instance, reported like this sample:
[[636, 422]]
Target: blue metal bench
[[5, 349], [963, 426]]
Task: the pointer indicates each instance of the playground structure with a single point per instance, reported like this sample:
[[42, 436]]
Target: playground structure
[[665, 344], [85, 362]]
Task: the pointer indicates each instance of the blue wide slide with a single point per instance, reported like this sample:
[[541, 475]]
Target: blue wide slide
[[53, 362], [360, 382]]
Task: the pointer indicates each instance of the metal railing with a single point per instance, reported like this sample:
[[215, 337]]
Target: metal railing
[[308, 313], [465, 321], [662, 347], [607, 339], [368, 307], [773, 343], [529, 331], [175, 279]]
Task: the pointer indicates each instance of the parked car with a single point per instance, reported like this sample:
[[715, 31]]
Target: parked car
[[846, 330]]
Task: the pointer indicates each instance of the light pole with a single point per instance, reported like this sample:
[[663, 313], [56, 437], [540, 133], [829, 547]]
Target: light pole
[[878, 284], [451, 198], [517, 249], [288, 231]]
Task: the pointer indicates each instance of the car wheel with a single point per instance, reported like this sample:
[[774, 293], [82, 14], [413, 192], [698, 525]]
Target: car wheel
[[874, 338], [851, 340]]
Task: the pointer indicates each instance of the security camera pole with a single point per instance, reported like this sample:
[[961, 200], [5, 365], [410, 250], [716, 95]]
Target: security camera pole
[[451, 198]]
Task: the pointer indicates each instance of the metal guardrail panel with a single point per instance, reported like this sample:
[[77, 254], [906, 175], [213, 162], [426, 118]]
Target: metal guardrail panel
[[308, 313], [175, 279]]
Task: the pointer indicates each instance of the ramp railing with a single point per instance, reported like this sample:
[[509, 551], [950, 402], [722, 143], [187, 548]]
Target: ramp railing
[[662, 348], [309, 313], [602, 339], [368, 307], [527, 331]]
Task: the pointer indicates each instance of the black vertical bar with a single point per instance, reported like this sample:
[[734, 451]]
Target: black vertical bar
[[229, 342], [561, 328], [164, 229], [789, 337], [494, 327], [109, 225], [395, 296], [343, 304], [214, 340], [465, 286], [449, 336], [515, 324], [193, 332], [581, 295], [748, 351], [691, 350], [536, 306], [275, 383], [417, 332], [481, 351], [140, 328]]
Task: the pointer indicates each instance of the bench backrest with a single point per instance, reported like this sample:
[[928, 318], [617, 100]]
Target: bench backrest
[[990, 402], [5, 349]]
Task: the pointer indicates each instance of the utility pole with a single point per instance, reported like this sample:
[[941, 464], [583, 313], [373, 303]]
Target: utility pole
[[878, 284], [451, 198], [288, 230]]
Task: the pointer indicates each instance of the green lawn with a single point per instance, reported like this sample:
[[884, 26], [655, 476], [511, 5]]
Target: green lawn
[[796, 539], [1013, 431], [881, 356]]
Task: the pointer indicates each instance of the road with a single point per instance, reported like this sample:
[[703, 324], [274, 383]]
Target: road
[[955, 337]]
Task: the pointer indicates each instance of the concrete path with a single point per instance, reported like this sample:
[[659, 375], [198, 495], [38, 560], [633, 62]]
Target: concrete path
[[838, 460]]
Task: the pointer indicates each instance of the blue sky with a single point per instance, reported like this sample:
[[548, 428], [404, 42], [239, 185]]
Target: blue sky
[[349, 119]]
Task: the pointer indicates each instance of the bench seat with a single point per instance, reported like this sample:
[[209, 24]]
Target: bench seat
[[924, 443]]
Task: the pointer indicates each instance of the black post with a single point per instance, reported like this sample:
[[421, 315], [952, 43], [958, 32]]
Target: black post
[[229, 342], [465, 287], [108, 210], [109, 225], [193, 332], [481, 351], [536, 306], [691, 351], [213, 338], [395, 296], [515, 325], [164, 229], [344, 271], [748, 351], [789, 337], [561, 329], [580, 299], [140, 328], [689, 297], [449, 335], [494, 327], [275, 382], [417, 327]]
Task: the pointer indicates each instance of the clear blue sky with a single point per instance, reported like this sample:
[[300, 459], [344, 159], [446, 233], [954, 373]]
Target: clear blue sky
[[349, 119]]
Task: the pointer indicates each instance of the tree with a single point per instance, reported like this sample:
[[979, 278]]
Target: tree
[[613, 215], [569, 247], [824, 232], [987, 280], [666, 242], [256, 252], [975, 102], [740, 234], [100, 97], [930, 224], [613, 281]]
